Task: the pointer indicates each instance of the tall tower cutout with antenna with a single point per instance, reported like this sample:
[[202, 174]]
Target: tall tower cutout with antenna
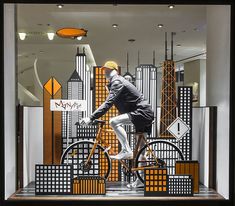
[[168, 93]]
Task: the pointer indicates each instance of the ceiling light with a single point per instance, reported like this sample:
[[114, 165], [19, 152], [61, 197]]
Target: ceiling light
[[171, 6], [79, 38], [131, 40], [50, 35], [22, 35], [114, 25], [160, 25], [60, 6]]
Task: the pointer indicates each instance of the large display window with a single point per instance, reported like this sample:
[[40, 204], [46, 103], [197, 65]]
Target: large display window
[[117, 102]]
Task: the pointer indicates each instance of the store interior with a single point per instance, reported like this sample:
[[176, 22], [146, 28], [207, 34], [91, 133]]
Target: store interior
[[140, 38]]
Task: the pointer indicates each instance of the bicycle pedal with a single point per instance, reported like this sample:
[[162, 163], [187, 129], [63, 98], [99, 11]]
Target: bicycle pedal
[[161, 163], [107, 149]]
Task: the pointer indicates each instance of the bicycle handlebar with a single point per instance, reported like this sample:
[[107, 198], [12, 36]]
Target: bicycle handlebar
[[94, 122], [98, 121]]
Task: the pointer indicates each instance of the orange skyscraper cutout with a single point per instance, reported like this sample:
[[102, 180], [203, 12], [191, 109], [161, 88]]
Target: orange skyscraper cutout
[[52, 143], [100, 96]]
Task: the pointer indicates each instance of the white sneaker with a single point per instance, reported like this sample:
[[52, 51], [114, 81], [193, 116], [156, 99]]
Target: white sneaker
[[136, 184], [124, 154]]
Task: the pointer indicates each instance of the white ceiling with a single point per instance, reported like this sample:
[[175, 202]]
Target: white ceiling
[[135, 22]]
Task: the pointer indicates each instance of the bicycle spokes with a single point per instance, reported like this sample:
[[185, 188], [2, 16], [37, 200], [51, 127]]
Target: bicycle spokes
[[87, 159], [158, 154]]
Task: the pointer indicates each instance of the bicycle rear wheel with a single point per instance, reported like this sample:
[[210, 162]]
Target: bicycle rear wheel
[[162, 150], [76, 155]]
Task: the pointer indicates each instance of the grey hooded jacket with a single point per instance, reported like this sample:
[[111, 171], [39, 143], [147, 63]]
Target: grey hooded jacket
[[127, 99]]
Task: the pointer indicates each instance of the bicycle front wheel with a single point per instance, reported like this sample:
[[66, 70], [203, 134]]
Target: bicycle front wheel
[[155, 153], [77, 154]]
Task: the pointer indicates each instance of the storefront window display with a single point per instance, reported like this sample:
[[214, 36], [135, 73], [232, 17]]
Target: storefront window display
[[117, 102]]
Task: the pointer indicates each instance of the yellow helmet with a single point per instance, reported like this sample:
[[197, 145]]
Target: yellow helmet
[[110, 65]]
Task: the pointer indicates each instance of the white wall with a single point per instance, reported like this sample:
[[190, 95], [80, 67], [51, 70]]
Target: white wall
[[192, 76], [202, 85], [195, 71], [218, 76], [9, 99], [200, 142], [33, 141], [25, 97]]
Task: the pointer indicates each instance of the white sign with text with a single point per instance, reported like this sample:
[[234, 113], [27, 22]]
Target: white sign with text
[[67, 105]]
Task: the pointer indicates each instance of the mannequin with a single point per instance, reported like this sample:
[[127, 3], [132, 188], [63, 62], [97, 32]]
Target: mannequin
[[110, 73], [132, 107], [116, 123]]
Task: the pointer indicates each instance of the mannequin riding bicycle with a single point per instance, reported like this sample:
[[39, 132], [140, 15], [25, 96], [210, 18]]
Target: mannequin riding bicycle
[[132, 107]]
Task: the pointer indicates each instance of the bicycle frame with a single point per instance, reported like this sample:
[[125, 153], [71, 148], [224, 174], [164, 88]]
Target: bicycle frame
[[100, 140]]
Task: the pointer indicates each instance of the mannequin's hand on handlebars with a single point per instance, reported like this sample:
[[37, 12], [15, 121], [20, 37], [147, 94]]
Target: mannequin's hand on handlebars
[[85, 121]]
